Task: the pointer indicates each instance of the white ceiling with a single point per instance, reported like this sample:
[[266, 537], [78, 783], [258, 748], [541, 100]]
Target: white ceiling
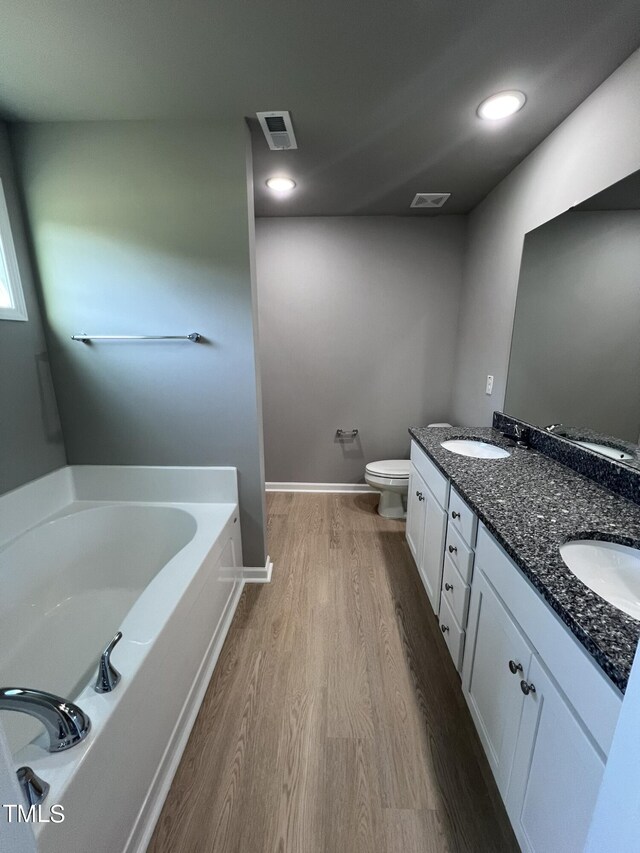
[[382, 94]]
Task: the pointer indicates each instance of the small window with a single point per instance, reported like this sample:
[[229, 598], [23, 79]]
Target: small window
[[12, 305]]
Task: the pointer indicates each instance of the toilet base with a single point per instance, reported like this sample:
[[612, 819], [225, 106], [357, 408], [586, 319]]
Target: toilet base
[[391, 505]]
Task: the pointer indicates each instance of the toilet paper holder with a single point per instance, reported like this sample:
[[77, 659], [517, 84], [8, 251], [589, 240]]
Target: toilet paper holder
[[346, 433]]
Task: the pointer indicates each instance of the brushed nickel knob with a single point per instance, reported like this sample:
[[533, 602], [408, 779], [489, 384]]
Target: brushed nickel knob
[[515, 667], [527, 688], [453, 549], [444, 628], [455, 514], [448, 586]]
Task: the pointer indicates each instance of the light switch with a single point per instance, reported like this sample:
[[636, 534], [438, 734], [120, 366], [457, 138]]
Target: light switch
[[489, 388]]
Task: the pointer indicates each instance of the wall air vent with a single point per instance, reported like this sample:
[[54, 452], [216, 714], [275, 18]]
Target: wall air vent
[[278, 130], [430, 200]]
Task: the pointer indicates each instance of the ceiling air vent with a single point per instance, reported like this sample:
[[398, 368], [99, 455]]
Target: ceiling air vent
[[430, 200], [278, 130]]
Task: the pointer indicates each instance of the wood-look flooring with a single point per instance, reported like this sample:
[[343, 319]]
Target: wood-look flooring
[[334, 721]]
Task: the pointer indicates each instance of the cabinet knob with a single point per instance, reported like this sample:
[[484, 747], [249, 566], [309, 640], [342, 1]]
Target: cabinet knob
[[527, 688], [448, 587], [453, 549], [420, 496], [455, 514], [444, 628], [515, 667]]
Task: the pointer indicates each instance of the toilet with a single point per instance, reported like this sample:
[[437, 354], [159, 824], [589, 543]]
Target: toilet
[[390, 477]]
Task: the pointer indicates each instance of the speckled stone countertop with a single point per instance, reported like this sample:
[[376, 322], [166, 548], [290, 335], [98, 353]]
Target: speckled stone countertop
[[532, 505]]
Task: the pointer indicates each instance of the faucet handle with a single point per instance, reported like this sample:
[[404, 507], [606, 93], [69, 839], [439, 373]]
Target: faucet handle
[[108, 675], [34, 788]]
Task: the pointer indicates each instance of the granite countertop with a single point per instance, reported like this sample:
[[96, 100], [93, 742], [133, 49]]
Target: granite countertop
[[532, 505]]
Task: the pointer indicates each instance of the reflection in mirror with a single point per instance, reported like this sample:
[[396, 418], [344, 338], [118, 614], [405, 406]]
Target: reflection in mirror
[[575, 351]]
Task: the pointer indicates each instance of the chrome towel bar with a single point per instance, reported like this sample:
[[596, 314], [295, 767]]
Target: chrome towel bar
[[86, 339]]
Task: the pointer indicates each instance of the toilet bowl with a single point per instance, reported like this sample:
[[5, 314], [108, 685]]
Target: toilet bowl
[[391, 478]]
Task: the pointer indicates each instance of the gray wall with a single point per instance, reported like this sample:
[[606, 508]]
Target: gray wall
[[575, 356], [357, 328], [597, 145], [143, 228], [30, 438]]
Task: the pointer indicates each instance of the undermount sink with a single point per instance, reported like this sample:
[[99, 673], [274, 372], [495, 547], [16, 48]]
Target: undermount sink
[[610, 570], [605, 450], [476, 449]]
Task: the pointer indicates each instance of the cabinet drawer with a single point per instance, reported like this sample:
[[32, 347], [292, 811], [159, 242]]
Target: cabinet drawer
[[437, 482], [455, 592], [452, 632], [462, 518], [459, 552]]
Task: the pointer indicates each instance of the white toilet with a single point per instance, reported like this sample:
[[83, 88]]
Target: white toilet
[[391, 478]]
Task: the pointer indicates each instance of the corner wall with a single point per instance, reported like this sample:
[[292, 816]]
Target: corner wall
[[357, 329], [31, 442], [143, 228], [597, 145]]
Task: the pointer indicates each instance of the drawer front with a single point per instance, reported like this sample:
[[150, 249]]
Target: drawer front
[[452, 633], [462, 518], [455, 592], [459, 552], [437, 482]]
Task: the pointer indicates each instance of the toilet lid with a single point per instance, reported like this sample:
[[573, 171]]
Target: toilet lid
[[396, 468]]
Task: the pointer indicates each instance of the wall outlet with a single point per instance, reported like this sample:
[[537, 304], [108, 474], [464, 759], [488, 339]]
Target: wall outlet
[[489, 388]]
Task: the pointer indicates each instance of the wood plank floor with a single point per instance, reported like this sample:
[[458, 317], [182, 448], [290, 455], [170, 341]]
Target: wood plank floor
[[334, 721]]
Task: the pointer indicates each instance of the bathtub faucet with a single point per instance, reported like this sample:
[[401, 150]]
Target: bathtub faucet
[[66, 724]]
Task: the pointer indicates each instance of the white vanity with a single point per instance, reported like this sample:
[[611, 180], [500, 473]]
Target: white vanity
[[544, 710]]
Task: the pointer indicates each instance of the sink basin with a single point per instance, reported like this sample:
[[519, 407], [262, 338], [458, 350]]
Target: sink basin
[[609, 569], [605, 450], [477, 449]]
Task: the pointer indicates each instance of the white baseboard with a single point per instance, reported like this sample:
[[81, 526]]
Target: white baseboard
[[258, 574], [160, 785], [346, 488]]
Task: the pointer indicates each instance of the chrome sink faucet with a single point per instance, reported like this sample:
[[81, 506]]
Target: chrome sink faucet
[[518, 436], [66, 723]]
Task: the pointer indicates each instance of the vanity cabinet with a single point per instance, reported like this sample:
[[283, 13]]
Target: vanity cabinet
[[497, 658], [427, 503], [543, 709], [557, 771], [416, 514], [441, 533]]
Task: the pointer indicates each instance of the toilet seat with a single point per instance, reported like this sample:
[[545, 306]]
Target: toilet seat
[[393, 469]]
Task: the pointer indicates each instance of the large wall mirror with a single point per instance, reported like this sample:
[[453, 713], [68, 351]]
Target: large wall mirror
[[575, 351]]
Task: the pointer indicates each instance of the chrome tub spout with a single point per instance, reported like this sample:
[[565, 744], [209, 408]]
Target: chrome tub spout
[[66, 723]]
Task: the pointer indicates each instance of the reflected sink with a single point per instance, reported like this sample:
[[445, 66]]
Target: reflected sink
[[477, 449], [604, 449], [609, 569]]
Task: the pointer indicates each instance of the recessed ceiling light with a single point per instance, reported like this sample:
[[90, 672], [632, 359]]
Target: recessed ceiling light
[[281, 185], [501, 105]]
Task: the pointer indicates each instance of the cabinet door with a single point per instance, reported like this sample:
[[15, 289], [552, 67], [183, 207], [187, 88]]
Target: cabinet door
[[491, 689], [556, 774], [415, 514], [430, 565]]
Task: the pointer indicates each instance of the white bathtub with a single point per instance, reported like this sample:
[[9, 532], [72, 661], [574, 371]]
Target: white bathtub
[[88, 551]]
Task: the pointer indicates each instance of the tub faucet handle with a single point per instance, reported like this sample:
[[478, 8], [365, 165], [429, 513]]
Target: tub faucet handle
[[108, 675], [34, 788]]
